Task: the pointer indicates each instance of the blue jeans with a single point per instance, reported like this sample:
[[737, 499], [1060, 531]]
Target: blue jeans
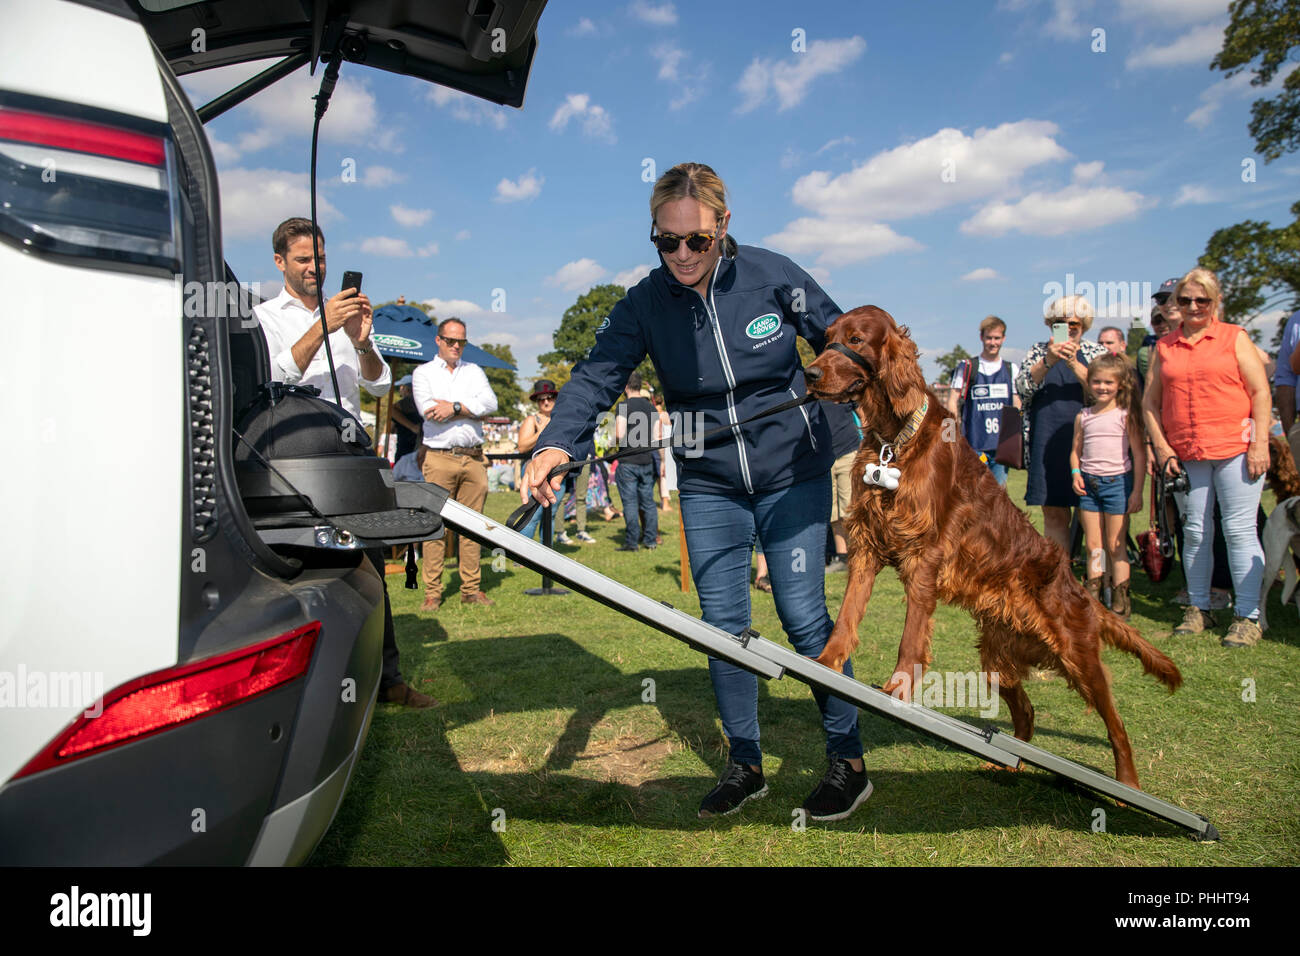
[[999, 470], [720, 533], [636, 487], [530, 529], [1238, 501]]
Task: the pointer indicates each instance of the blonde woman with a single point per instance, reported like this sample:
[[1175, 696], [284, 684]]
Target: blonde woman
[[719, 322], [1052, 384], [1208, 409]]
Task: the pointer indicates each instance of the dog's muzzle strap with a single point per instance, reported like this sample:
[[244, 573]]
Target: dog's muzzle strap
[[849, 353]]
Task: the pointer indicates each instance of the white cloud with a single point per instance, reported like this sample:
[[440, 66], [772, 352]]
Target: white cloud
[[391, 248], [1198, 46], [527, 186], [408, 217], [462, 235], [224, 153], [1006, 58], [981, 275], [459, 307], [790, 79], [630, 277], [255, 201], [466, 108], [1234, 87], [841, 141], [1072, 209], [283, 110], [908, 180], [790, 157], [585, 27], [577, 276], [1087, 172], [838, 243], [823, 276], [376, 177], [661, 15], [596, 121], [1194, 195], [1165, 12], [687, 76]]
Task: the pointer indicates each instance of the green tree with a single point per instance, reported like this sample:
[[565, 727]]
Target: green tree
[[1264, 33], [577, 333], [949, 361], [504, 383], [1258, 267]]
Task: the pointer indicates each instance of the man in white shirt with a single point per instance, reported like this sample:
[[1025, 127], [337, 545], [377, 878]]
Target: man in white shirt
[[986, 384], [453, 397], [291, 324]]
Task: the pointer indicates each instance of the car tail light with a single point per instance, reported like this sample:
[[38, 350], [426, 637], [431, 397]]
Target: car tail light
[[158, 702], [88, 189]]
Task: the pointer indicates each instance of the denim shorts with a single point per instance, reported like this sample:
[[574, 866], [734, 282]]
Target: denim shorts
[[1107, 494]]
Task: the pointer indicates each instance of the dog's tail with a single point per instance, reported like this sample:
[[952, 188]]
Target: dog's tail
[[1124, 637]]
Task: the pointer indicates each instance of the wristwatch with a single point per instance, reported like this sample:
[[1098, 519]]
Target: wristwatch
[[455, 407], [365, 351]]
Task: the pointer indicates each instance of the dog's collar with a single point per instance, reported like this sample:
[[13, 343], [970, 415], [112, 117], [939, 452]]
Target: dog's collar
[[909, 430], [854, 356]]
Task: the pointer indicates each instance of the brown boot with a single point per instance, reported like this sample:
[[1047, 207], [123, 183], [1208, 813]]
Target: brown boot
[[1119, 601], [1094, 587]]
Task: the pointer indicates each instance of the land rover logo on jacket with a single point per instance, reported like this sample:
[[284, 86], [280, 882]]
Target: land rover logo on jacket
[[396, 342], [763, 326]]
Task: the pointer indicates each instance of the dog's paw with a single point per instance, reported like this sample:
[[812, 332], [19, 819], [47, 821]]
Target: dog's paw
[[900, 686], [1001, 766], [832, 657]]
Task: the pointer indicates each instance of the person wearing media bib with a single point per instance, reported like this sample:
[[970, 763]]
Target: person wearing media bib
[[983, 387]]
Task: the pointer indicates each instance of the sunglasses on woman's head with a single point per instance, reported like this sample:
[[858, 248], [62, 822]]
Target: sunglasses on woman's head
[[667, 243], [1200, 300]]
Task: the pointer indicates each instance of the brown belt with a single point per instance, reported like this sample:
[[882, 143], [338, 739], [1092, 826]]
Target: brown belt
[[464, 451]]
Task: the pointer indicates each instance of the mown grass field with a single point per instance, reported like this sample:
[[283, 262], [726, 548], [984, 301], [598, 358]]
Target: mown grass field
[[547, 751]]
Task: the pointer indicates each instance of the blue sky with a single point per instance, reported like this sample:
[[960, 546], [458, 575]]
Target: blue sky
[[943, 161]]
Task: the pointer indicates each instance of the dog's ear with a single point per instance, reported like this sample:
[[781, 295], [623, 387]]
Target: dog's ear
[[900, 372]]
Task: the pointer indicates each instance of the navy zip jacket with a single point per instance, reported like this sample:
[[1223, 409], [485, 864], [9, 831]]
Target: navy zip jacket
[[726, 356]]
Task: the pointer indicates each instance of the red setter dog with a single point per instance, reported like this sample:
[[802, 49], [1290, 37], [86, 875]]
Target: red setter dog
[[954, 535]]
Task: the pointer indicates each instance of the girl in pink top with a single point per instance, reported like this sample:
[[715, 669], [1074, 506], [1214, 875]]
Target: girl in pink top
[[1108, 443]]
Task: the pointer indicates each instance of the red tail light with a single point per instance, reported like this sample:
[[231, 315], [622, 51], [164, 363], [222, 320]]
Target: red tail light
[[63, 133], [157, 702]]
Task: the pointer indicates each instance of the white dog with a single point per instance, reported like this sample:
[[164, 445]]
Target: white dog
[[1281, 534]]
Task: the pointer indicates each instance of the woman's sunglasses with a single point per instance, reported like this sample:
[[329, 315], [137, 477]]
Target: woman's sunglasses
[[1186, 301], [667, 243]]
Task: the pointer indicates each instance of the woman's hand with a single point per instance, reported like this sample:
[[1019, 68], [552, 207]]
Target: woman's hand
[[534, 481], [1135, 502], [1172, 466], [1079, 488], [1257, 459], [1061, 351]]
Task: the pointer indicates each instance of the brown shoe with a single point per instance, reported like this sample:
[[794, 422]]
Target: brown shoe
[[404, 695], [1195, 621], [1120, 602], [1093, 587], [1242, 632], [478, 597], [431, 604]]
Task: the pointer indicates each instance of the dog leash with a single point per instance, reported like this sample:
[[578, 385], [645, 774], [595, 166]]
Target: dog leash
[[521, 515]]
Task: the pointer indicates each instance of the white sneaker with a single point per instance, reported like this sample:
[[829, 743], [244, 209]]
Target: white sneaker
[[563, 538], [585, 538]]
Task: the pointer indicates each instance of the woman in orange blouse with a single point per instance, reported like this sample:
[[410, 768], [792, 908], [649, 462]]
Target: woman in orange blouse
[[1207, 410]]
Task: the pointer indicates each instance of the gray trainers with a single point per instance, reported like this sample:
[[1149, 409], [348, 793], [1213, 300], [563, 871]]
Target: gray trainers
[[1242, 632], [1194, 622], [563, 538], [585, 538]]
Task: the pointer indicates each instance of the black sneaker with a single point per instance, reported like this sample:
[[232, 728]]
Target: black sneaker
[[626, 547], [841, 791], [736, 785]]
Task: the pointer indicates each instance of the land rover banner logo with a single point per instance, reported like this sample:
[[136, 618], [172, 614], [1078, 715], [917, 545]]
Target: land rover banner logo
[[763, 326], [396, 342]]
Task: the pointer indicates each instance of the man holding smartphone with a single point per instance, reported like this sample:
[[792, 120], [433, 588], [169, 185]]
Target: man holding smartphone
[[291, 323]]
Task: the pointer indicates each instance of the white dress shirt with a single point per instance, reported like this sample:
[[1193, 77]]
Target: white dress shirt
[[466, 383], [284, 320]]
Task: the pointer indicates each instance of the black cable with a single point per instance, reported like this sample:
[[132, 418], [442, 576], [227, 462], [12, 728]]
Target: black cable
[[322, 104]]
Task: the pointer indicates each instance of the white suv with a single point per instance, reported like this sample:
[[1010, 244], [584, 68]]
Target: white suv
[[178, 684]]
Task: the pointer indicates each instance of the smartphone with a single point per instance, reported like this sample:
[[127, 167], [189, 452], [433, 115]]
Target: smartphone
[[352, 280], [1060, 330]]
